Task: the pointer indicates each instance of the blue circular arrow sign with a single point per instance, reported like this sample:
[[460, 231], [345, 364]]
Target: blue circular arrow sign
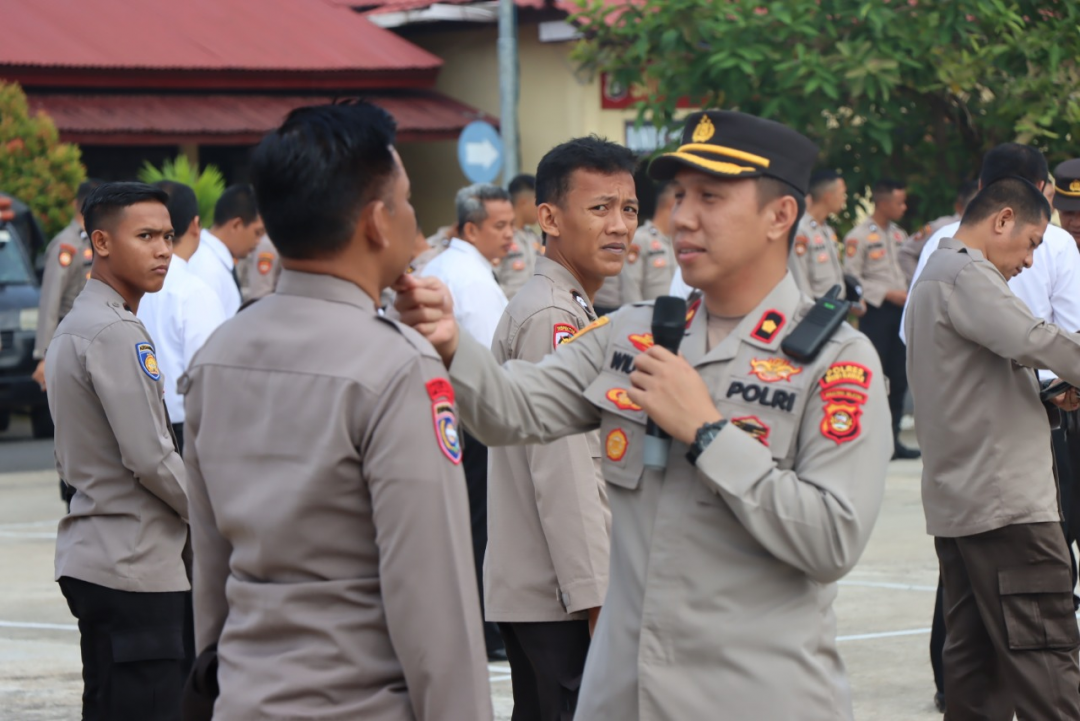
[[480, 152]]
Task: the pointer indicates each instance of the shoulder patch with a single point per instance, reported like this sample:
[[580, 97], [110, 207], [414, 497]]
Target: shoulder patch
[[88, 254], [800, 244], [602, 320], [851, 247], [148, 361], [266, 262], [641, 341], [841, 422], [616, 444], [563, 332], [580, 300], [632, 253], [445, 419], [845, 372], [66, 254], [769, 325]]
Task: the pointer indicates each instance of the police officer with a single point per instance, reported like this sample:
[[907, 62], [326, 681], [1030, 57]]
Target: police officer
[[988, 485], [546, 567], [516, 268], [872, 255], [67, 268], [650, 263], [723, 563], [912, 250], [814, 260], [119, 550], [330, 526]]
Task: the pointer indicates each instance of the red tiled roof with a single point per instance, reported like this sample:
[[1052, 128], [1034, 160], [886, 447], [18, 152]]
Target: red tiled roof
[[375, 7], [246, 35], [148, 119]]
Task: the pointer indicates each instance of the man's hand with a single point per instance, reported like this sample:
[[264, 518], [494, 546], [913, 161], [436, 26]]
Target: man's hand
[[1067, 401], [858, 309], [896, 297], [39, 374], [672, 393], [594, 617], [426, 305]]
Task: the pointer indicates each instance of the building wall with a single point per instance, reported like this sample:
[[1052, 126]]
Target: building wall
[[556, 103]]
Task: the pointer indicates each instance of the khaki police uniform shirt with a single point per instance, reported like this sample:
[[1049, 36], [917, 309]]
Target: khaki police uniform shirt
[[610, 294], [548, 520], [872, 255], [649, 267], [814, 259], [128, 522], [330, 525], [972, 347], [259, 271], [68, 258], [912, 249], [722, 575], [515, 270]]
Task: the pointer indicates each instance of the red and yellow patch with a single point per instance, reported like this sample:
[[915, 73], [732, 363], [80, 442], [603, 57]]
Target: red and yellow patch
[[872, 237], [851, 247], [877, 254], [67, 254], [754, 426], [518, 265], [843, 404], [616, 444], [633, 253], [770, 324], [660, 263], [841, 421], [621, 399], [88, 254], [845, 372], [692, 311], [562, 333], [801, 242], [266, 263], [602, 320], [442, 412], [772, 370], [641, 341]]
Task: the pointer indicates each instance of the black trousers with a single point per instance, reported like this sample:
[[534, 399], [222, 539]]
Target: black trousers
[[882, 327], [178, 432], [547, 661], [937, 639], [474, 462], [135, 652]]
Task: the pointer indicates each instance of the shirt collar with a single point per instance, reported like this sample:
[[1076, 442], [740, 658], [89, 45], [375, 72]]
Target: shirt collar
[[104, 292], [217, 246], [564, 280], [469, 249], [324, 287], [954, 244]]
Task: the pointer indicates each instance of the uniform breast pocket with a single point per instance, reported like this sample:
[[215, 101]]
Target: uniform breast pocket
[[621, 451]]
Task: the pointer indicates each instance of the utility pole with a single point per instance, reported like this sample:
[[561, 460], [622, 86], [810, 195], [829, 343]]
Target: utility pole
[[508, 87]]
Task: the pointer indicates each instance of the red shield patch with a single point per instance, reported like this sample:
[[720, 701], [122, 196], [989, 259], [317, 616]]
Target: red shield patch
[[445, 419], [841, 421]]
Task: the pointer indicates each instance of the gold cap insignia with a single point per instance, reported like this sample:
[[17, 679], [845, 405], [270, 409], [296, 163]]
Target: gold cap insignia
[[1075, 186], [704, 130]]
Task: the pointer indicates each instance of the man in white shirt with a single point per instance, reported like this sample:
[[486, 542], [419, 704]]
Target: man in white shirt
[[1051, 287], [183, 314], [485, 219], [236, 231]]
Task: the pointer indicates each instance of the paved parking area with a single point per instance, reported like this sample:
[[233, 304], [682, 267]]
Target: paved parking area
[[884, 606]]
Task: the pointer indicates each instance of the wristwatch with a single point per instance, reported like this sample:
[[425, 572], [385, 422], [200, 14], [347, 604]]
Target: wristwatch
[[703, 438]]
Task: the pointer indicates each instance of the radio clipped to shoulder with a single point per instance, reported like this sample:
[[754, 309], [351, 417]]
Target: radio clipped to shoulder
[[813, 332]]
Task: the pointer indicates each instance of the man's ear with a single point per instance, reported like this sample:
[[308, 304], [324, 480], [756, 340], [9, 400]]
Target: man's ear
[[784, 211], [548, 218], [195, 226], [99, 239], [1004, 217], [469, 231], [374, 224]]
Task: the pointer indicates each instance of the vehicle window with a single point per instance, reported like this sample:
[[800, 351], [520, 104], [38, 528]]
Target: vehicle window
[[14, 269]]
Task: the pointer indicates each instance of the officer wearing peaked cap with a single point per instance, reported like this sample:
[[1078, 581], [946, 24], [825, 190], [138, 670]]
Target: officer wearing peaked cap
[[724, 562], [1067, 196]]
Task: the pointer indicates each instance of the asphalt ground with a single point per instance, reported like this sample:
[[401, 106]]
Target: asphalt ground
[[884, 606]]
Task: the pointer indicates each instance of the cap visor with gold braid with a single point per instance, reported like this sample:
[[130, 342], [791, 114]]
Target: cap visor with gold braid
[[1067, 186], [727, 144]]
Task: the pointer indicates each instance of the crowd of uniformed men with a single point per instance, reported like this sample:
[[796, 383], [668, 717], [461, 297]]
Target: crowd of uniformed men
[[311, 521]]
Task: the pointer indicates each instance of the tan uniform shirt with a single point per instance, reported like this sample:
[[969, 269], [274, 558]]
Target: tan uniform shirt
[[814, 260], [912, 249], [722, 575], [68, 258], [515, 270], [649, 267], [333, 561], [259, 271], [548, 520], [985, 438], [873, 256], [128, 522], [610, 293]]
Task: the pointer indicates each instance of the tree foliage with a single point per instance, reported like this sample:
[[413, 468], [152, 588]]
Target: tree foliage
[[208, 184], [911, 89], [35, 166]]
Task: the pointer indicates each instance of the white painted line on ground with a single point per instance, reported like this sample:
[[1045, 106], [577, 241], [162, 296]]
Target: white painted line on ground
[[44, 626], [28, 534], [886, 634], [882, 584], [30, 524]]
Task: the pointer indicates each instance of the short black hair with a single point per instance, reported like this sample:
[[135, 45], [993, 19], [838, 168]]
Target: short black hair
[[314, 175], [1029, 205], [238, 201], [523, 183], [1014, 160], [588, 153], [820, 180], [966, 192], [887, 186], [182, 204], [85, 188], [106, 201]]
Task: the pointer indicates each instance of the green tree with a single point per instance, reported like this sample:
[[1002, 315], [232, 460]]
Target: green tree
[[35, 166], [208, 184], [912, 89]]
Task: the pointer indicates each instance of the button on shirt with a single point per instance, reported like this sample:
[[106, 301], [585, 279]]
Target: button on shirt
[[478, 300], [1050, 287], [214, 264], [179, 317]]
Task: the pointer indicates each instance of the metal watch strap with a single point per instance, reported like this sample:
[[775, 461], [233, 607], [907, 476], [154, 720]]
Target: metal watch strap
[[704, 436]]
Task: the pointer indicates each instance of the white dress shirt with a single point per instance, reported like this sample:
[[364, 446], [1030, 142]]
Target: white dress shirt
[[678, 285], [1050, 287], [214, 264], [179, 317], [478, 300]]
